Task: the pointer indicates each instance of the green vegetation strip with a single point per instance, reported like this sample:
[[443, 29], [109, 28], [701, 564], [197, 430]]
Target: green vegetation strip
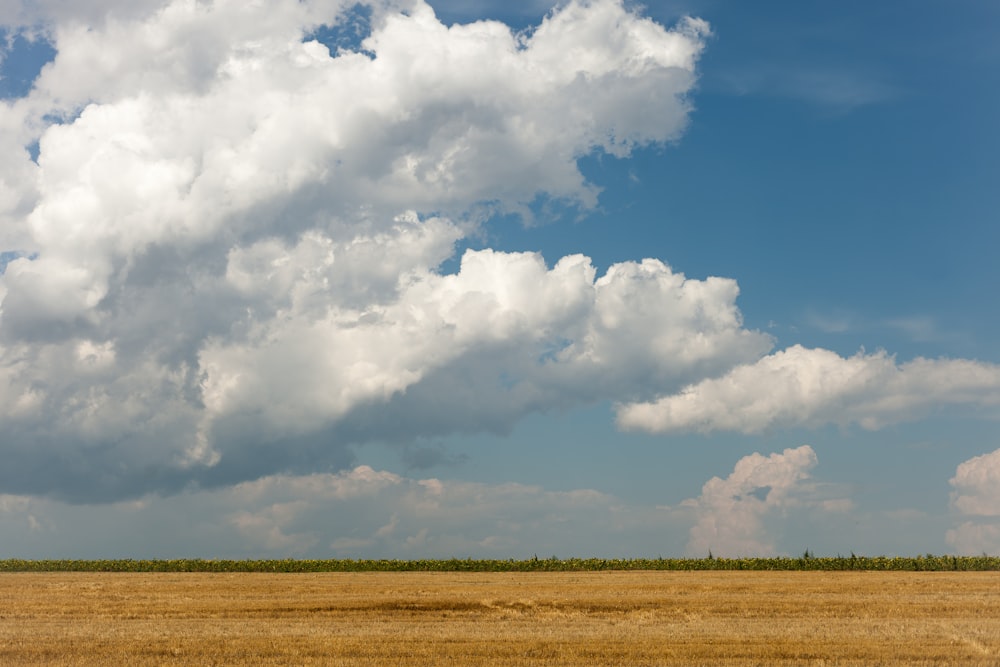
[[804, 562]]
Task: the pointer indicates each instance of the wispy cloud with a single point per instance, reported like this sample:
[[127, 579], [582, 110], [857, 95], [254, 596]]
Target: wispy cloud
[[831, 321], [839, 90], [919, 328]]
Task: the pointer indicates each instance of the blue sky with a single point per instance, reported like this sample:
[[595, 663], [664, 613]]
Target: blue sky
[[264, 298]]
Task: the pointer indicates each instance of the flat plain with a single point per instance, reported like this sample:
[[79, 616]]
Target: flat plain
[[470, 619]]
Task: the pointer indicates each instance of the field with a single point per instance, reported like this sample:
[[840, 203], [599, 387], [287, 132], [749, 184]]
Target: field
[[501, 618]]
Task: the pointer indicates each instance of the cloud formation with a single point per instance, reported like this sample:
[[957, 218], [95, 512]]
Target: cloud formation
[[362, 512], [732, 515], [225, 261], [355, 513], [799, 386], [976, 499], [221, 252]]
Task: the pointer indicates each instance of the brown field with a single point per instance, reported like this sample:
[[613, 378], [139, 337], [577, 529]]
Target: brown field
[[598, 618]]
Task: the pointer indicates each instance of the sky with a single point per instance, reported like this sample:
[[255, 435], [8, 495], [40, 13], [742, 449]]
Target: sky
[[434, 279]]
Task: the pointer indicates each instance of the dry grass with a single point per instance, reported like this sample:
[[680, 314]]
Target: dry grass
[[606, 618]]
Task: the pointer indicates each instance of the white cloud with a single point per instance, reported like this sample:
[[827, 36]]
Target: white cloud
[[976, 497], [811, 387], [504, 336], [977, 486], [221, 107], [733, 514], [231, 238]]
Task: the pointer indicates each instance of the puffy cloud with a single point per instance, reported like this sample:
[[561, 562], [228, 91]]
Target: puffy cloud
[[977, 486], [811, 387], [225, 260], [976, 496], [503, 336], [181, 125], [732, 514], [226, 103]]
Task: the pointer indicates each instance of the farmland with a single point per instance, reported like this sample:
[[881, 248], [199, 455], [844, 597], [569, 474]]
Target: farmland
[[611, 617]]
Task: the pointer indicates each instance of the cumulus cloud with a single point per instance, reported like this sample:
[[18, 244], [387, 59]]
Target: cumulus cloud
[[503, 336], [976, 498], [977, 486], [732, 515], [225, 259], [811, 387]]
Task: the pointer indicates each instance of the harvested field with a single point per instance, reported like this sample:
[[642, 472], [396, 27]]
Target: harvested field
[[468, 619]]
